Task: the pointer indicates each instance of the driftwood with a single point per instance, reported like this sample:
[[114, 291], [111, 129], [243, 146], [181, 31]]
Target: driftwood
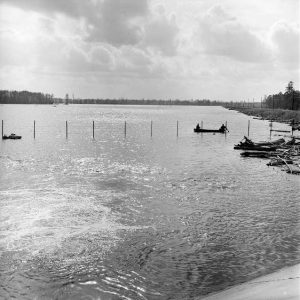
[[279, 152], [260, 154], [294, 169]]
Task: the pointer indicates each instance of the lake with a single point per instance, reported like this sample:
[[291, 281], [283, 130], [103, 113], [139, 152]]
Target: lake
[[137, 216]]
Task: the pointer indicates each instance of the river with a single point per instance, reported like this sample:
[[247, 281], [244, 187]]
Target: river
[[137, 216]]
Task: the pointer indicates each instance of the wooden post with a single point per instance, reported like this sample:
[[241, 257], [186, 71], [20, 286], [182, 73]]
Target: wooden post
[[34, 129], [93, 130], [125, 129], [201, 124], [151, 128], [177, 128], [2, 128], [66, 129], [226, 124], [248, 127]]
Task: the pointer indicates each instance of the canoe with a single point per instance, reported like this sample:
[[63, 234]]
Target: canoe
[[11, 137], [208, 130]]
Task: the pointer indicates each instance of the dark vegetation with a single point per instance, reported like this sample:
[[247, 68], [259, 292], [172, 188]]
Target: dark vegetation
[[279, 115], [290, 100], [24, 97]]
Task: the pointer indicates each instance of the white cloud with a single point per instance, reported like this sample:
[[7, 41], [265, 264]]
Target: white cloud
[[219, 33], [118, 22], [149, 48], [161, 33], [286, 40]]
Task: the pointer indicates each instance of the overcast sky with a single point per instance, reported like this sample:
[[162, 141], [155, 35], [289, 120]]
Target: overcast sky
[[179, 49]]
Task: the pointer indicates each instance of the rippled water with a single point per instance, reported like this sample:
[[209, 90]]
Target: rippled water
[[138, 217]]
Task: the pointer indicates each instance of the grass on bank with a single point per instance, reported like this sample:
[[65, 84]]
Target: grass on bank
[[280, 115]]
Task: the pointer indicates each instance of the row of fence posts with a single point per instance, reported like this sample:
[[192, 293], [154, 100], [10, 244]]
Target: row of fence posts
[[151, 128], [125, 128]]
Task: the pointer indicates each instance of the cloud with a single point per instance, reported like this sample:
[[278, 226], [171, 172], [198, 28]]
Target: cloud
[[113, 21], [286, 40], [157, 48], [119, 22], [74, 8], [161, 33], [221, 34]]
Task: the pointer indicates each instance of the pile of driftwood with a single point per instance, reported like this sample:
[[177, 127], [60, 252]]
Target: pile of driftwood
[[280, 152]]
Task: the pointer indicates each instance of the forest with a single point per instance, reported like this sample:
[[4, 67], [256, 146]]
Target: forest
[[289, 100], [25, 97]]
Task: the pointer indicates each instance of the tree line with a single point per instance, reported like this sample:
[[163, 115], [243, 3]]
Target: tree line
[[288, 100], [145, 102], [25, 97]]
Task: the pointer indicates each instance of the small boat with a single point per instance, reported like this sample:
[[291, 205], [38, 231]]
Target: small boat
[[209, 130], [12, 136], [222, 129]]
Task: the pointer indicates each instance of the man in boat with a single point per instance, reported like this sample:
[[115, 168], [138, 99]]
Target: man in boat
[[223, 128], [197, 126]]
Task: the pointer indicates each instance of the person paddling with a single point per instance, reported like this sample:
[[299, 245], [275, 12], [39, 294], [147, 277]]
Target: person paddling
[[223, 128]]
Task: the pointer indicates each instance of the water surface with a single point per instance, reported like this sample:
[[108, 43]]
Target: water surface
[[135, 216]]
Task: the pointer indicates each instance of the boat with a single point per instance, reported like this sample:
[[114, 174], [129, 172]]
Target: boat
[[209, 130], [12, 136], [222, 129]]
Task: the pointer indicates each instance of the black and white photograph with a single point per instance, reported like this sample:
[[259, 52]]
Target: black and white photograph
[[150, 149]]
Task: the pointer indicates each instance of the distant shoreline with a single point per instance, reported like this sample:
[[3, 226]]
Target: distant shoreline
[[278, 115], [127, 102]]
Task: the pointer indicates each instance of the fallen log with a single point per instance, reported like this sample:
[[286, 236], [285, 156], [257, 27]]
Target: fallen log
[[259, 154]]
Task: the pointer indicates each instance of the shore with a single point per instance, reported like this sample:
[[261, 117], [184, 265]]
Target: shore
[[278, 115], [282, 285]]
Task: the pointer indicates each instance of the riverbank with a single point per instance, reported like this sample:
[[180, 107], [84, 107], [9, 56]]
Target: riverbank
[[281, 285], [278, 115]]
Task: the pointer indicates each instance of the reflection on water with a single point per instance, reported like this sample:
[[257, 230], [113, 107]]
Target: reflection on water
[[139, 217]]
